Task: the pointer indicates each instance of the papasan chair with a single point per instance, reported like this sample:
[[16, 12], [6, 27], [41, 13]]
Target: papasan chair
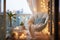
[[37, 22]]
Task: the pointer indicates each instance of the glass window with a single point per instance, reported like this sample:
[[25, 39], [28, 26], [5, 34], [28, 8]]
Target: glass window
[[18, 5], [1, 5], [21, 8]]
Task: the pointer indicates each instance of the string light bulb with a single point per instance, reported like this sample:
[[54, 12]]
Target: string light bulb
[[44, 7]]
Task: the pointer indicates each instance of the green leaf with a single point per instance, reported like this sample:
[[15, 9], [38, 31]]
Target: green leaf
[[22, 23], [14, 17]]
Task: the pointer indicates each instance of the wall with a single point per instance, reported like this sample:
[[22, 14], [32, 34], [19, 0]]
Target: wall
[[2, 28], [2, 25]]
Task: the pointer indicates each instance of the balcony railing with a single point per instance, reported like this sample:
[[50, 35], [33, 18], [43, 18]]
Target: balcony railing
[[19, 18]]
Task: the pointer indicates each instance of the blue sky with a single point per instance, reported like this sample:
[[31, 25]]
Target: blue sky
[[17, 5]]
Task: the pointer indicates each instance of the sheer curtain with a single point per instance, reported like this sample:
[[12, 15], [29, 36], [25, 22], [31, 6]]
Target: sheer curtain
[[32, 5]]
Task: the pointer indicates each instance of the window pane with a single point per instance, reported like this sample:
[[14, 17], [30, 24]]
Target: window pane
[[18, 5], [2, 5]]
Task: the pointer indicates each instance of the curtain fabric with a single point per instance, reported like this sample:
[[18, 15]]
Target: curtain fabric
[[32, 5]]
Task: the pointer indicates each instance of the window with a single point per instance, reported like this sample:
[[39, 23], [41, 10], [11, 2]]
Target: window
[[18, 5], [2, 5], [21, 8]]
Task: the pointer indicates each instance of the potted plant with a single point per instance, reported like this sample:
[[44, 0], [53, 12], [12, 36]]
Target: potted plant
[[10, 15], [22, 24]]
